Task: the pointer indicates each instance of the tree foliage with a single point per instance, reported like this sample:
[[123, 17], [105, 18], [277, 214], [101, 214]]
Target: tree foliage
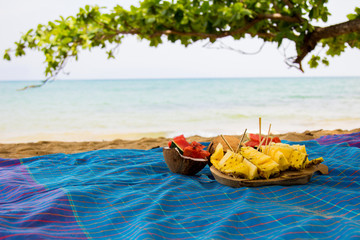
[[189, 21]]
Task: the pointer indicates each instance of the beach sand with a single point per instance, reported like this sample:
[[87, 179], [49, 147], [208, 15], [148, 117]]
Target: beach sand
[[23, 150]]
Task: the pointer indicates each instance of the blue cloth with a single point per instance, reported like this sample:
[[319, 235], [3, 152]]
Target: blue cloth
[[131, 194]]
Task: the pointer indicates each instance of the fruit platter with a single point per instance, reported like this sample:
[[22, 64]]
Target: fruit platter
[[272, 164], [252, 161]]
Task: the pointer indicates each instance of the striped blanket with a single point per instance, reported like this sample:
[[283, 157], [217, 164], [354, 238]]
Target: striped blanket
[[131, 194]]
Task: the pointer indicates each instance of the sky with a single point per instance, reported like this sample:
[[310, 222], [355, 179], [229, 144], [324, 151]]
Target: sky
[[136, 59]]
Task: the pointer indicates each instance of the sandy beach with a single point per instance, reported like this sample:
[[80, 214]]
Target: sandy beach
[[31, 149]]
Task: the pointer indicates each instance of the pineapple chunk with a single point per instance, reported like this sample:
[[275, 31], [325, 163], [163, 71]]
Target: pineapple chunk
[[280, 159], [216, 164], [232, 163], [285, 149], [315, 161], [237, 169], [297, 159], [253, 170], [254, 156], [277, 156], [218, 154], [300, 148], [267, 167], [225, 158]]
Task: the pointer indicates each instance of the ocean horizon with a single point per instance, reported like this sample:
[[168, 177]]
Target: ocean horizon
[[96, 110]]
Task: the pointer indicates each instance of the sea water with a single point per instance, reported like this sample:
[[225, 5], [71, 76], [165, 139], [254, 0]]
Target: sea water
[[130, 109]]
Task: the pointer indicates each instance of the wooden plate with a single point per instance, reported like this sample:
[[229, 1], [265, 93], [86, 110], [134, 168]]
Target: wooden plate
[[285, 178]]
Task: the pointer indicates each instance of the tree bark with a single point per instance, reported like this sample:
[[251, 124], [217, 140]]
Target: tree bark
[[332, 31]]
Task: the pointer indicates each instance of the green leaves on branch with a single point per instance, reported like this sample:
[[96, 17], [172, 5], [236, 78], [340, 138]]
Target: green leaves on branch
[[314, 61], [7, 55], [184, 21], [356, 15]]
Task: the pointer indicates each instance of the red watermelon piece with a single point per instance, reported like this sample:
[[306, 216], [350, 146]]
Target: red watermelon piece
[[180, 143], [195, 150], [197, 145], [252, 143], [254, 140]]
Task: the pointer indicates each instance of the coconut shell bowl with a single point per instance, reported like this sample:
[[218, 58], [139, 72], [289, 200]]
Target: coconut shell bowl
[[178, 163]]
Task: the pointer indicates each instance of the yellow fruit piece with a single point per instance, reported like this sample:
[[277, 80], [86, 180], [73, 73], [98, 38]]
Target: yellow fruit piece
[[253, 170], [316, 161], [266, 166], [300, 148], [232, 163], [236, 165], [227, 157], [238, 170], [216, 164], [285, 149], [218, 154], [265, 150], [268, 169], [277, 156], [290, 156], [297, 159], [280, 159], [254, 156]]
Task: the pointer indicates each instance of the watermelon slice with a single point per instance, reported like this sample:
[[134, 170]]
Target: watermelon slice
[[197, 145], [254, 140], [180, 143], [195, 150]]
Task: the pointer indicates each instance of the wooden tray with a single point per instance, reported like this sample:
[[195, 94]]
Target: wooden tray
[[285, 178]]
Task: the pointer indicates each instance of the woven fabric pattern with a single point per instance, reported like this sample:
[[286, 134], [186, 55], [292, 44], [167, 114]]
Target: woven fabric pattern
[[352, 139], [131, 194]]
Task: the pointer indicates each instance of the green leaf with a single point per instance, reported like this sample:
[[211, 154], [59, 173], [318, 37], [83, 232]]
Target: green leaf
[[66, 40], [205, 6], [150, 20], [7, 56], [246, 12], [351, 16], [314, 61], [357, 10], [325, 61], [110, 54]]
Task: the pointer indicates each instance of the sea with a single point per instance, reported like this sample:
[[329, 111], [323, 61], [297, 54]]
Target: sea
[[98, 110]]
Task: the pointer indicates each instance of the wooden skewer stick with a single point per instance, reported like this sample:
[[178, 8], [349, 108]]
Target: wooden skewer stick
[[267, 136], [259, 147], [242, 138], [226, 142], [259, 129], [269, 146]]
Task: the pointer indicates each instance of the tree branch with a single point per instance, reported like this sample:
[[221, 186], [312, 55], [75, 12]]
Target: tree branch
[[221, 34], [291, 6], [311, 40]]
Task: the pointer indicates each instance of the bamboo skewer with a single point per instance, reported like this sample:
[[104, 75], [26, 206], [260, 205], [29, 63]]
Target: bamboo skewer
[[267, 136], [269, 146], [259, 134], [264, 139], [226, 142], [242, 138], [259, 129], [259, 147]]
